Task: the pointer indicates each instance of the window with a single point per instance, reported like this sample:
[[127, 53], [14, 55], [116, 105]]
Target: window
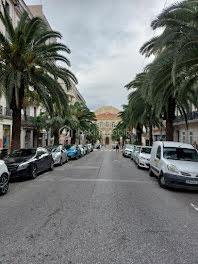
[[191, 138], [146, 150], [158, 154], [40, 151], [184, 137], [101, 124], [113, 124], [180, 154], [107, 124]]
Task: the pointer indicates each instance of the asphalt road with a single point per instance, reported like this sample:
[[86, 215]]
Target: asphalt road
[[97, 210]]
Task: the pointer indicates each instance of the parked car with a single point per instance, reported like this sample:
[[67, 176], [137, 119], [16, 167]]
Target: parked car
[[97, 146], [4, 178], [175, 164], [90, 147], [143, 157], [73, 151], [134, 152], [127, 150], [59, 155], [29, 162], [82, 151]]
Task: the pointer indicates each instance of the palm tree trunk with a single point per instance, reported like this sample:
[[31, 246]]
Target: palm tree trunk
[[37, 138], [56, 137], [151, 135], [169, 119], [139, 134], [16, 117], [73, 140], [16, 129]]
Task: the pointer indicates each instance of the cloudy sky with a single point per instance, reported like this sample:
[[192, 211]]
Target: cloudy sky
[[105, 37]]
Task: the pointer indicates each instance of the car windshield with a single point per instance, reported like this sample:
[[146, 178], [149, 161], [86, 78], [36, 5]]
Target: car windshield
[[180, 154], [129, 146], [73, 147], [146, 150], [68, 146], [22, 153], [56, 149]]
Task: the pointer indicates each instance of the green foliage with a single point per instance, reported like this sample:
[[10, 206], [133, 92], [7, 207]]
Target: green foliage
[[171, 81]]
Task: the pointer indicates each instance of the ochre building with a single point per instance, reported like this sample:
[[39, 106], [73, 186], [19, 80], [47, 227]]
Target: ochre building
[[107, 119]]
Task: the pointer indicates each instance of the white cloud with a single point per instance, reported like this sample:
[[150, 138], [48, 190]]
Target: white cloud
[[105, 37]]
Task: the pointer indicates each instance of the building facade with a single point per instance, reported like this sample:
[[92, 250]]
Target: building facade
[[107, 119], [14, 9]]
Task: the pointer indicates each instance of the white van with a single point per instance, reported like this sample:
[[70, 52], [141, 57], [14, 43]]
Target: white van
[[175, 164]]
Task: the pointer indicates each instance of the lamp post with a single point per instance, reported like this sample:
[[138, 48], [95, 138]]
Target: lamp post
[[161, 120], [47, 133]]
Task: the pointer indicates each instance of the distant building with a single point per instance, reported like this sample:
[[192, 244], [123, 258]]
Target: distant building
[[107, 119]]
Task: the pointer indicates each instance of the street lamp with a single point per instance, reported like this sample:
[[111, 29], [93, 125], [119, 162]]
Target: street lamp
[[47, 133]]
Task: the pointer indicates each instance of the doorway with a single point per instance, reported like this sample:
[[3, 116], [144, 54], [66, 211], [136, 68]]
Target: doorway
[[107, 141]]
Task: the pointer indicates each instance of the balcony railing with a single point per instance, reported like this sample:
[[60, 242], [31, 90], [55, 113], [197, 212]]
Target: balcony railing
[[19, 6], [191, 116]]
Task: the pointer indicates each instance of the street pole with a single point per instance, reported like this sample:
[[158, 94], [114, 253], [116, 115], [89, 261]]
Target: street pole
[[161, 120]]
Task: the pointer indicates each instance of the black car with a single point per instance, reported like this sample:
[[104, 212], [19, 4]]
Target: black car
[[28, 162]]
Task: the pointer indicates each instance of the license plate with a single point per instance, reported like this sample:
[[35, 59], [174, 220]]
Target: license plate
[[191, 182]]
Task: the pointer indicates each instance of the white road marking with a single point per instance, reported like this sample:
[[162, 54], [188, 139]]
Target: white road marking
[[194, 206]]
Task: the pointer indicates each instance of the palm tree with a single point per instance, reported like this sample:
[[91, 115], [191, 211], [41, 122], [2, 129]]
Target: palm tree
[[173, 73], [84, 116], [28, 63], [141, 111]]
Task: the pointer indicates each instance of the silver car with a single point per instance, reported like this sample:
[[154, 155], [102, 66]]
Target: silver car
[[127, 150], [59, 155]]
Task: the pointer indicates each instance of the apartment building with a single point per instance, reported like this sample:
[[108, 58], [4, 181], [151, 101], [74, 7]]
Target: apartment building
[[14, 9]]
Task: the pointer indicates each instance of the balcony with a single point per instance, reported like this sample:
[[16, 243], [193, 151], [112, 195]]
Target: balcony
[[190, 117], [19, 7]]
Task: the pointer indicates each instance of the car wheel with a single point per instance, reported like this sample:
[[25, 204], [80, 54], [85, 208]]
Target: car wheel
[[33, 174], [4, 184], [151, 174], [61, 162], [77, 157], [162, 182], [51, 166], [138, 165]]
